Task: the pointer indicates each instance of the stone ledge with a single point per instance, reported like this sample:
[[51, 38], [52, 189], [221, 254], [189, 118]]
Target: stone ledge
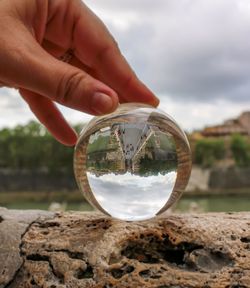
[[92, 250]]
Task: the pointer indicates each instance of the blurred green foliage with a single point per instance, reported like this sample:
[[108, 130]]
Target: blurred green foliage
[[241, 150], [31, 147], [166, 143], [149, 167], [100, 144], [207, 151]]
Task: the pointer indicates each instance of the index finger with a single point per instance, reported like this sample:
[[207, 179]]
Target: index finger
[[96, 48]]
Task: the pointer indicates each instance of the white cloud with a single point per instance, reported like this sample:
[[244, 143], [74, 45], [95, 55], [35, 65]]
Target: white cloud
[[13, 109], [196, 115], [194, 54], [187, 49], [138, 204]]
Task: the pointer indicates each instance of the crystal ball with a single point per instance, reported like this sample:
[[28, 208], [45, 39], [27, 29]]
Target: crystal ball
[[132, 164]]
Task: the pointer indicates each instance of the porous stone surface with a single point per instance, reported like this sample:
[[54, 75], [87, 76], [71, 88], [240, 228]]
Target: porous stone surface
[[13, 225], [178, 251]]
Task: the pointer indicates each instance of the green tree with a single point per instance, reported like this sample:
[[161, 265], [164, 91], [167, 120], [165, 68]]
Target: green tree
[[30, 147], [207, 151], [241, 150]]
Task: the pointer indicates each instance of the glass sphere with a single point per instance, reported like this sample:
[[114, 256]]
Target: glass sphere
[[134, 163]]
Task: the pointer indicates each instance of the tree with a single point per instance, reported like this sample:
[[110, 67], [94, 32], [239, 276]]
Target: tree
[[241, 150], [207, 151], [30, 147]]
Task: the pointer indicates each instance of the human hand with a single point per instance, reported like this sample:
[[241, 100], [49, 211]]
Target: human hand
[[35, 34]]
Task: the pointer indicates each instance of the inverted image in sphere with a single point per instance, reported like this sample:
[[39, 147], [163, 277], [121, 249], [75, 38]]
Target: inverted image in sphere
[[132, 164]]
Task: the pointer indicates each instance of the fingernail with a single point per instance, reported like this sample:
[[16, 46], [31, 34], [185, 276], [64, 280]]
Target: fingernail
[[101, 103], [156, 101]]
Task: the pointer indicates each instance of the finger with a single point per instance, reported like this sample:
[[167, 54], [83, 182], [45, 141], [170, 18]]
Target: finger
[[49, 115], [59, 52], [99, 51], [96, 48], [43, 74]]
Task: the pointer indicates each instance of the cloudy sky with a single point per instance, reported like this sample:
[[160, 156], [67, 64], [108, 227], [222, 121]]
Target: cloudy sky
[[138, 204], [194, 54]]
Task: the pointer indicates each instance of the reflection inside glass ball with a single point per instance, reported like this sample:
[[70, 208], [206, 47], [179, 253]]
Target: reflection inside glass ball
[[126, 163]]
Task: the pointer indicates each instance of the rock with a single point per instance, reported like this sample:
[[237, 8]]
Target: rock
[[13, 224], [92, 250]]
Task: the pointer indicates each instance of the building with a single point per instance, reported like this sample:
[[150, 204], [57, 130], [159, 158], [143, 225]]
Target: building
[[240, 125]]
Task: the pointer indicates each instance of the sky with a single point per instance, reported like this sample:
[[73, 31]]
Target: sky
[[193, 54], [139, 203]]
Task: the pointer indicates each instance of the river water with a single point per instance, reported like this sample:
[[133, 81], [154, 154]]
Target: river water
[[185, 204], [214, 204]]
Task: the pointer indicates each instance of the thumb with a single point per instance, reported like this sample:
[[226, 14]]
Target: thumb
[[45, 75]]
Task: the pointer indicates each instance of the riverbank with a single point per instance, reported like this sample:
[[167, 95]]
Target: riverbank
[[217, 192], [223, 179], [230, 180]]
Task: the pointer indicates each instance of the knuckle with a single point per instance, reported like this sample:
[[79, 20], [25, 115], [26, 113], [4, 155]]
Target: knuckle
[[67, 86], [111, 48], [128, 81]]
